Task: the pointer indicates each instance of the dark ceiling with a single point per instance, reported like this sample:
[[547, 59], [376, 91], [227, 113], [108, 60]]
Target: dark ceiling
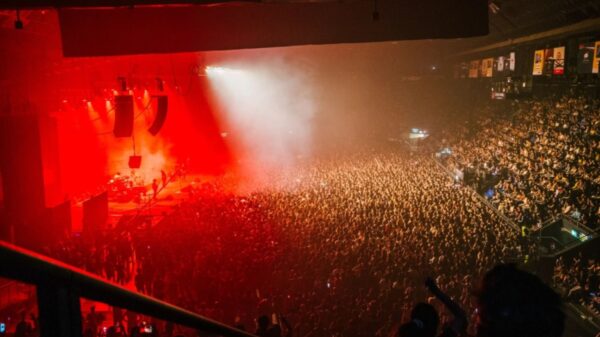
[[514, 18], [507, 18], [120, 27]]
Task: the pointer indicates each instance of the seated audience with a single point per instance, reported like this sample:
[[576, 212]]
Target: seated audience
[[538, 160]]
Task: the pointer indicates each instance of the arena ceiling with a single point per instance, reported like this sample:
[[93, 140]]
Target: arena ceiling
[[507, 19], [514, 18]]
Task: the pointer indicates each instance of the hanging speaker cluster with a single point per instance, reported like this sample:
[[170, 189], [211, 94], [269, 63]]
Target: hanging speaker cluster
[[162, 105], [124, 114]]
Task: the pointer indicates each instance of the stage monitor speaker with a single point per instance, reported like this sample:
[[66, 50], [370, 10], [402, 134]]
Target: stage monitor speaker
[[123, 116], [135, 162], [161, 114]]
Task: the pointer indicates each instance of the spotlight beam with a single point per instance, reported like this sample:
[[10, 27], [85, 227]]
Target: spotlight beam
[[268, 109], [215, 70]]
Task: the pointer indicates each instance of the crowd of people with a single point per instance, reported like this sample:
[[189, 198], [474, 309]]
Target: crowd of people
[[511, 302], [338, 246], [537, 159], [578, 280]]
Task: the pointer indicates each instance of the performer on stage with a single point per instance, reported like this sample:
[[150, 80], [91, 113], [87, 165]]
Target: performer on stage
[[155, 187]]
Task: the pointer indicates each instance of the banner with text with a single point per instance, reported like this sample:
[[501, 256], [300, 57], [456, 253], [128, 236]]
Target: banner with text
[[559, 61], [596, 58], [474, 69], [487, 66], [585, 58], [538, 62], [511, 61]]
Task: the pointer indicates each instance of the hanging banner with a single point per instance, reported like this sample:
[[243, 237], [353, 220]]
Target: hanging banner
[[482, 68], [474, 69], [511, 61], [500, 64], [596, 58], [489, 67], [538, 62], [585, 58], [559, 61]]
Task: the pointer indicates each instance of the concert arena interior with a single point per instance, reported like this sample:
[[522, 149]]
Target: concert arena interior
[[305, 168]]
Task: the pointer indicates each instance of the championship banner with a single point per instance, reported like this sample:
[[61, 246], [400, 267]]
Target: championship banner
[[596, 58], [474, 69], [500, 64], [585, 58], [559, 61], [488, 67], [511, 61], [482, 69], [538, 62]]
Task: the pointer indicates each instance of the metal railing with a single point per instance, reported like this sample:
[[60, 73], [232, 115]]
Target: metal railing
[[60, 288], [562, 246]]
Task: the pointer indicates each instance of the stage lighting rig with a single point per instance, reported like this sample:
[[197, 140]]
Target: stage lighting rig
[[199, 71]]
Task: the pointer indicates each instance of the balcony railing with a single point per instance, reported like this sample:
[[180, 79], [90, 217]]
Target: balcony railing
[[60, 288]]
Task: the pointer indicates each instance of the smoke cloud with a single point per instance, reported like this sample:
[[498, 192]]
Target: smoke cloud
[[267, 108]]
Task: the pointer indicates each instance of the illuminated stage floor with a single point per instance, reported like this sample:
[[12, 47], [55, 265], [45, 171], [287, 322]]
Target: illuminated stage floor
[[171, 195]]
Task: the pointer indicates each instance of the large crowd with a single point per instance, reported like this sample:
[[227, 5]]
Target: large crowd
[[338, 247], [537, 160]]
